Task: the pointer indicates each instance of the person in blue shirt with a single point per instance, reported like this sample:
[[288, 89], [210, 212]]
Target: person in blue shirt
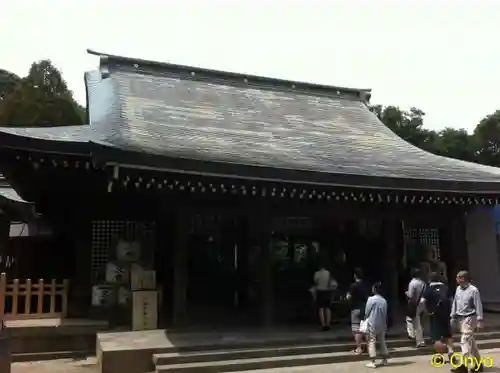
[[467, 311], [376, 318]]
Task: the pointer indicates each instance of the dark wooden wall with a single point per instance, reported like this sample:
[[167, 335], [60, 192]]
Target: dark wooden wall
[[71, 198]]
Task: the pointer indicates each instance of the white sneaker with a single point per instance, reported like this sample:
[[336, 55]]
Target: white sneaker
[[371, 364], [385, 362]]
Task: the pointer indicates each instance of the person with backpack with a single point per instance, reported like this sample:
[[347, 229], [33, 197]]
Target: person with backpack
[[437, 302], [415, 308], [358, 294]]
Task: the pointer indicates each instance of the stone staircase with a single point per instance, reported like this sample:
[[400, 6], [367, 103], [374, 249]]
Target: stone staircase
[[286, 354]]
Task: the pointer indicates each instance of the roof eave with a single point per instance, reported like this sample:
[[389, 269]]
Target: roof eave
[[114, 156], [15, 207], [8, 140]]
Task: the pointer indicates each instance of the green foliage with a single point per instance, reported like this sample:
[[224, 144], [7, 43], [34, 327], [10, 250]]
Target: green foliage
[[483, 146], [456, 144], [40, 99], [48, 79], [8, 81], [487, 135]]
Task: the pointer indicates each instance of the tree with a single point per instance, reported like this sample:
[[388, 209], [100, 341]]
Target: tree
[[28, 105], [456, 144], [8, 81], [408, 125], [48, 79], [41, 99], [450, 142], [487, 136]]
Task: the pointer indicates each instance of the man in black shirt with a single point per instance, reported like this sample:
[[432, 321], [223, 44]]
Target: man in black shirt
[[437, 302], [359, 291]]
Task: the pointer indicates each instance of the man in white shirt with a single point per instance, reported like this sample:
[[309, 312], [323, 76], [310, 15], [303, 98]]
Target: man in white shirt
[[467, 310], [416, 307], [323, 290]]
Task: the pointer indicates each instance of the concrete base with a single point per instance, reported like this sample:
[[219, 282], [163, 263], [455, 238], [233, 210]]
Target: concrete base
[[132, 352], [48, 338]]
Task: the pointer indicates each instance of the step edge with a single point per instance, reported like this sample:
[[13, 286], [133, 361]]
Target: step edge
[[44, 356], [167, 355], [286, 342], [266, 359], [252, 350], [298, 357]]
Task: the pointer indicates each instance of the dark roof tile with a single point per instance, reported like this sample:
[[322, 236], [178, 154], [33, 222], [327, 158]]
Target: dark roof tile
[[165, 111]]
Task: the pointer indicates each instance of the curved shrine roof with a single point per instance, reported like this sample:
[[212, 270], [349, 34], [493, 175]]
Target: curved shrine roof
[[237, 123]]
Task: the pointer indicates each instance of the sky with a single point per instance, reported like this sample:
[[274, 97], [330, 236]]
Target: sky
[[440, 56]]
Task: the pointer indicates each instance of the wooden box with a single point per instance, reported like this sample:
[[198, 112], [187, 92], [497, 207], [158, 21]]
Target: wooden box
[[149, 280], [144, 310], [141, 279], [135, 277]]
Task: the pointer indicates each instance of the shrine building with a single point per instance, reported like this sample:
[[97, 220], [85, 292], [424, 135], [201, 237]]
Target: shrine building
[[228, 190]]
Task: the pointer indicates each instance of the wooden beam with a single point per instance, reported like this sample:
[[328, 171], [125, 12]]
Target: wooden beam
[[180, 269]]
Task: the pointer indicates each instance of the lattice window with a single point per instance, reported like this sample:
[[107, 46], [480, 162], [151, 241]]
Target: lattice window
[[106, 232], [290, 224], [205, 224], [423, 237], [430, 237]]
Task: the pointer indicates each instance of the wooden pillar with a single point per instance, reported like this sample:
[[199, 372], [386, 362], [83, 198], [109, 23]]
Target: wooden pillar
[[459, 249], [262, 229], [4, 234], [78, 239], [392, 230], [180, 269], [267, 280], [80, 292]]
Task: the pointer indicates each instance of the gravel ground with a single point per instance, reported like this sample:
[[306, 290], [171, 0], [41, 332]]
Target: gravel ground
[[419, 364]]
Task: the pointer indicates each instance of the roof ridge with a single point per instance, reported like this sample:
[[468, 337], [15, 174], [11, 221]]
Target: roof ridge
[[362, 94]]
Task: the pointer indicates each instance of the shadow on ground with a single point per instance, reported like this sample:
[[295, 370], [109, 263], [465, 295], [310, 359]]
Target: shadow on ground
[[400, 363]]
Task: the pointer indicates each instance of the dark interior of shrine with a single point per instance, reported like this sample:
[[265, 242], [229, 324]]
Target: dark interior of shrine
[[225, 269]]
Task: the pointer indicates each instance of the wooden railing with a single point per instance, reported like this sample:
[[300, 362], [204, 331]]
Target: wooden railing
[[23, 299]]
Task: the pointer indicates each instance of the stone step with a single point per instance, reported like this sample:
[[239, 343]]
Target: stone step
[[55, 355], [222, 353], [273, 341], [269, 362]]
